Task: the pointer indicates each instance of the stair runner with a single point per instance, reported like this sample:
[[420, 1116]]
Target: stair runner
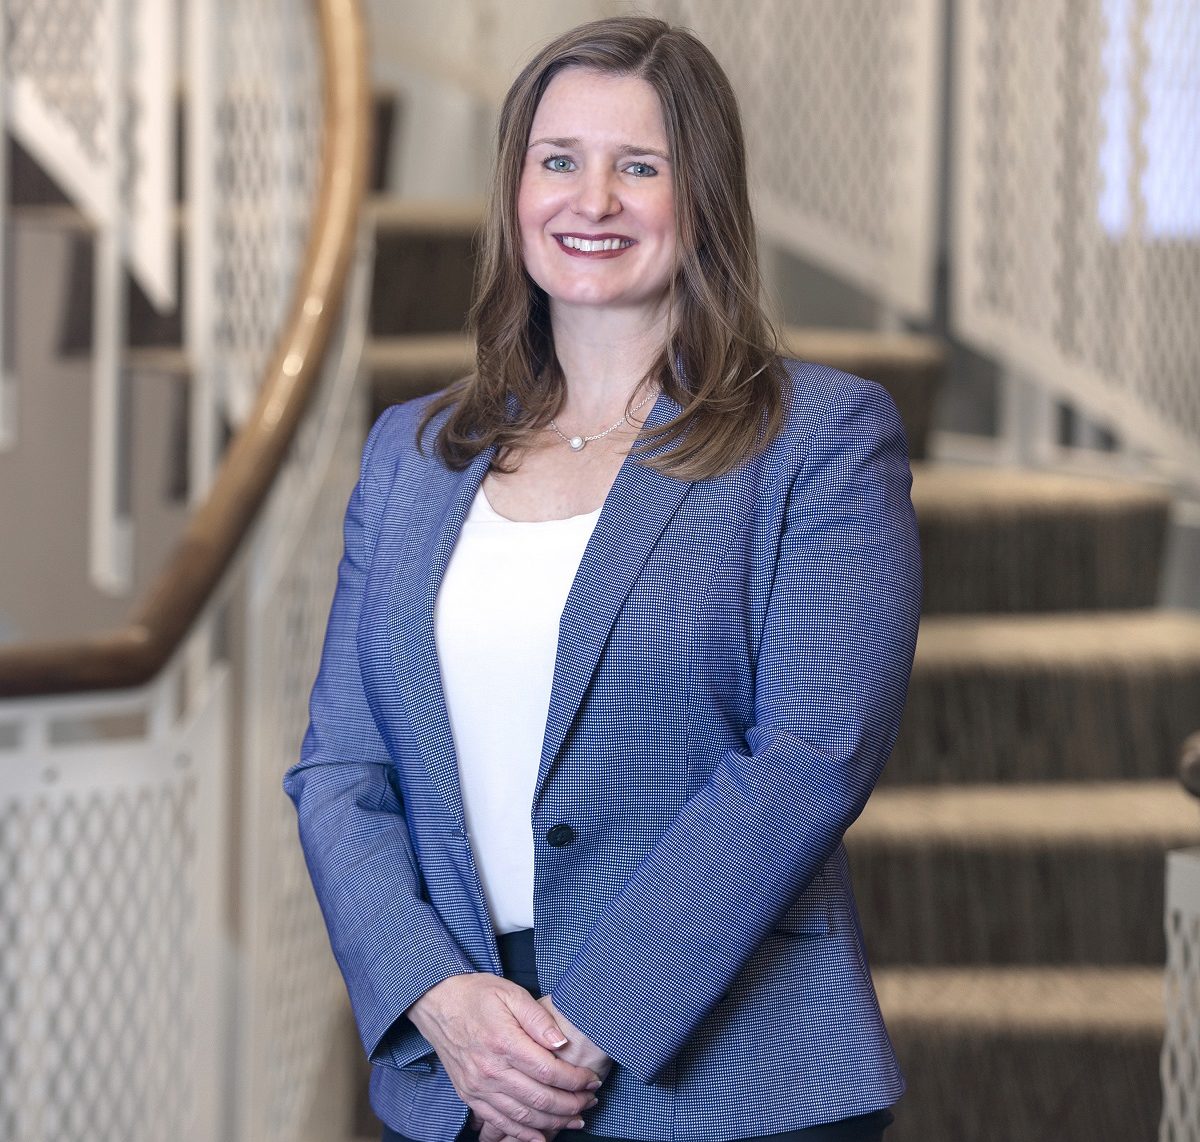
[[1009, 869]]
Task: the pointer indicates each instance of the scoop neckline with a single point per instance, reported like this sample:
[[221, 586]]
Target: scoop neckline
[[489, 512]]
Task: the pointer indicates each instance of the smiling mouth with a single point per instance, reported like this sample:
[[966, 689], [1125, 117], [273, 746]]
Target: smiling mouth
[[599, 245]]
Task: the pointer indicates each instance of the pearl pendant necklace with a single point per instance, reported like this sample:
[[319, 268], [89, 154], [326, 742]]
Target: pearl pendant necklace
[[578, 443]]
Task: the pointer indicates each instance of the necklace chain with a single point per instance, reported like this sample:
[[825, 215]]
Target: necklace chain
[[577, 443]]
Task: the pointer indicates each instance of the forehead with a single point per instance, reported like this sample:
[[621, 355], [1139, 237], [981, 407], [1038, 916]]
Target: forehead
[[579, 102]]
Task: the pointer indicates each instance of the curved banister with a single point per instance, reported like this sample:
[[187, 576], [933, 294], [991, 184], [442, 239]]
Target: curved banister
[[1189, 764], [132, 654]]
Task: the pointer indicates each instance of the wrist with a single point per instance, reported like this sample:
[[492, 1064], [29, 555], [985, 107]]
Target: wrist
[[424, 1011]]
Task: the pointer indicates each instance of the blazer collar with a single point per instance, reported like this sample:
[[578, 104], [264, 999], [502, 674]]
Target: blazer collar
[[438, 509], [635, 513]]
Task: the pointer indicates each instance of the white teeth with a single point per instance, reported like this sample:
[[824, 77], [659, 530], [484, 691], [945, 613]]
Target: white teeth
[[595, 245]]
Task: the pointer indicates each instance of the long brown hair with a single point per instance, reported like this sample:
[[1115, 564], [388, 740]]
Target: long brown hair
[[720, 363]]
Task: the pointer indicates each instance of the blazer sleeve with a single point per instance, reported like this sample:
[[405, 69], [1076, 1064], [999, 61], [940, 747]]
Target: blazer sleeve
[[830, 682], [389, 943]]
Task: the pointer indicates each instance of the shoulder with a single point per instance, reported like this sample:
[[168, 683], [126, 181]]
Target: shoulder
[[827, 410], [819, 397], [393, 439]]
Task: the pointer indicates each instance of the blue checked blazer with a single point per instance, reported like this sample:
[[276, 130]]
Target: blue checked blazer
[[732, 663]]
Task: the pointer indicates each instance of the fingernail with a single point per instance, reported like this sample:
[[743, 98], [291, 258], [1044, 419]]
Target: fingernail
[[556, 1043], [576, 1124], [594, 1102], [594, 1085]]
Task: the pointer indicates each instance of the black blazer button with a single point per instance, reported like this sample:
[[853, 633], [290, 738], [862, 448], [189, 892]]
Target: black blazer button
[[560, 836]]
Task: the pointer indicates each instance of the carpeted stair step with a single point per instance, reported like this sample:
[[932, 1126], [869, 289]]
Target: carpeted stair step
[[1026, 1054], [908, 365], [145, 325], [424, 265], [405, 367], [402, 367], [996, 539], [1100, 696], [1021, 874]]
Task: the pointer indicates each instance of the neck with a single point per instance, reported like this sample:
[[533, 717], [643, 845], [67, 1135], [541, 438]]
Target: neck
[[604, 355]]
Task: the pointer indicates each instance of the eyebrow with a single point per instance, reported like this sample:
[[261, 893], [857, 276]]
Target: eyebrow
[[571, 144]]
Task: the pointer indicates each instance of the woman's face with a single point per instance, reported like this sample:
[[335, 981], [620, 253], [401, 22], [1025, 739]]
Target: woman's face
[[595, 206]]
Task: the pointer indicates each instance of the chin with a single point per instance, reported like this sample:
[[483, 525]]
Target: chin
[[594, 295]]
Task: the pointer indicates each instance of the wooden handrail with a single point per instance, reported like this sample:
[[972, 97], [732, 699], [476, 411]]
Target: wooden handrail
[[132, 654], [1189, 764]]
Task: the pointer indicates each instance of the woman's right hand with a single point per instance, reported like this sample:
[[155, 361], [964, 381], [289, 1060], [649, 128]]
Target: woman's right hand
[[497, 1044]]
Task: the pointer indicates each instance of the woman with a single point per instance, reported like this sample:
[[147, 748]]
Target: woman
[[619, 647]]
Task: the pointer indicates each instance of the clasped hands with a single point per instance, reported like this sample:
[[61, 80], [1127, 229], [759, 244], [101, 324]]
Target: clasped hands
[[522, 1067]]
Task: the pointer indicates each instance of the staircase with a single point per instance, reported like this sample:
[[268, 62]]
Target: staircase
[[1009, 869]]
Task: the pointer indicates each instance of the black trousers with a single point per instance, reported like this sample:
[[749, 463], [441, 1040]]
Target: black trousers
[[516, 956]]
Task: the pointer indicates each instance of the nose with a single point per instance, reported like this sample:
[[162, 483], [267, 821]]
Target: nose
[[596, 196]]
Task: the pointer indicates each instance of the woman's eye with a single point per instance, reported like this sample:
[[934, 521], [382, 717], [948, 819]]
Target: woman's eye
[[558, 163], [641, 170]]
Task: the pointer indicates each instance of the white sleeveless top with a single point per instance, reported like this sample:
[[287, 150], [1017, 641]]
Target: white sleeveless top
[[496, 628]]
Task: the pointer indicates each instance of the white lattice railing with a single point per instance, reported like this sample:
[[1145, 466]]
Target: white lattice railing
[[114, 842], [293, 1016], [256, 123], [156, 990], [1181, 1047], [1077, 253], [164, 971], [841, 102], [90, 90], [91, 87]]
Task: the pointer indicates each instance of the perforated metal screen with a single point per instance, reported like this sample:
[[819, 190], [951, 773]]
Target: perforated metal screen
[[1077, 173], [110, 857], [840, 99], [295, 1019], [58, 47], [92, 103], [1181, 1046], [263, 119], [82, 980]]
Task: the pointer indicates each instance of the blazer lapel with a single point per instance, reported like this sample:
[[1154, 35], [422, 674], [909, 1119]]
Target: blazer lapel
[[439, 507], [638, 508]]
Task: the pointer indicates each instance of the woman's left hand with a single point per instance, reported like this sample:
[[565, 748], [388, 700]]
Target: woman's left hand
[[579, 1050]]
